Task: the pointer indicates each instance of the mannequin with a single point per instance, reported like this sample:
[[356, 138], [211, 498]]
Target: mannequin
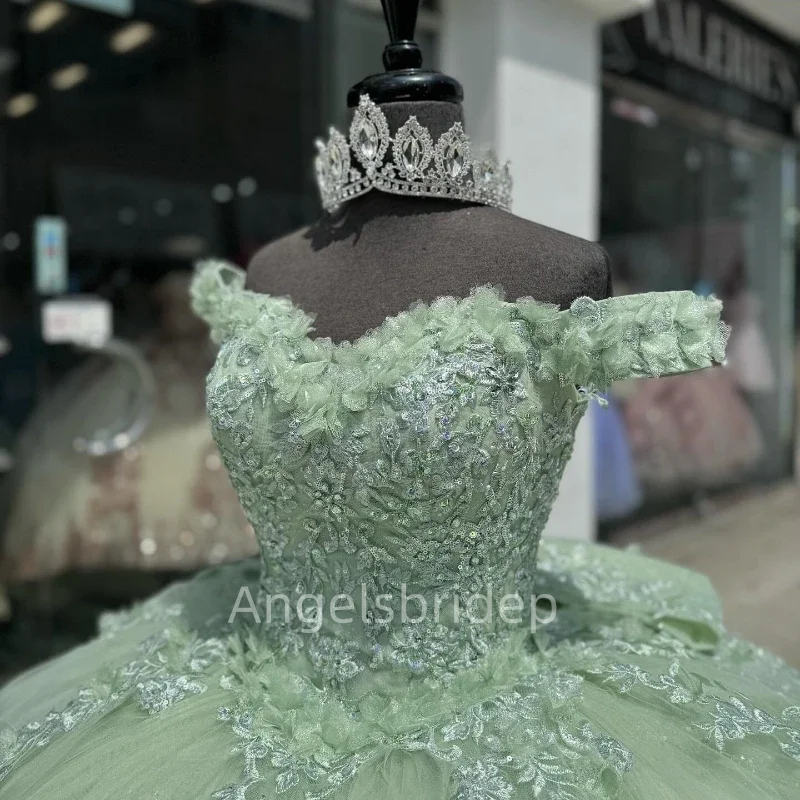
[[380, 253]]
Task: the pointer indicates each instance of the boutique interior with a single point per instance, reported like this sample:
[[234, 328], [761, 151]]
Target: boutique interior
[[690, 201]]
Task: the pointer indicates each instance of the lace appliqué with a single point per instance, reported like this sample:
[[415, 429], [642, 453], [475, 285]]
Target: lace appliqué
[[731, 719], [113, 623], [735, 719], [167, 671], [443, 484], [531, 735]]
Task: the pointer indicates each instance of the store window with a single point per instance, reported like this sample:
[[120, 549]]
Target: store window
[[145, 135], [691, 201], [699, 148], [176, 131]]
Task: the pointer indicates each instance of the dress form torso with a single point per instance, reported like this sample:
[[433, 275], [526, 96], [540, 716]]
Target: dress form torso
[[379, 253]]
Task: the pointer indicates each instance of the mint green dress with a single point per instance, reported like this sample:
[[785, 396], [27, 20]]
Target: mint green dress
[[398, 486]]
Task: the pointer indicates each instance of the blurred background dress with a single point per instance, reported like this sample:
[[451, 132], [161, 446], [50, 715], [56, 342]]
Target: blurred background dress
[[691, 432], [164, 502]]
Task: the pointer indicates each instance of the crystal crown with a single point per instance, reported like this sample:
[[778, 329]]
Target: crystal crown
[[415, 166]]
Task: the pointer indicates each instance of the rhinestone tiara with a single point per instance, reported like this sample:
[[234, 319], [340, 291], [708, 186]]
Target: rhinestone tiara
[[416, 166]]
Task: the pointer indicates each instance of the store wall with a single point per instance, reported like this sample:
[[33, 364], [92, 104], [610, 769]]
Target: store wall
[[530, 70], [782, 16]]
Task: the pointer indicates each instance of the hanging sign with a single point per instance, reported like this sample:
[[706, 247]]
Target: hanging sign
[[122, 8], [51, 256], [712, 55]]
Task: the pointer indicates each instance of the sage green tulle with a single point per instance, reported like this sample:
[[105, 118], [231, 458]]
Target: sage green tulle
[[636, 692], [592, 344], [415, 469]]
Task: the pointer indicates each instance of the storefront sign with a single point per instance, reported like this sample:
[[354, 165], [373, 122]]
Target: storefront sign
[[712, 55]]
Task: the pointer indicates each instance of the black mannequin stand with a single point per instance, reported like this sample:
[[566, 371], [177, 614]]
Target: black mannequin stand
[[380, 253]]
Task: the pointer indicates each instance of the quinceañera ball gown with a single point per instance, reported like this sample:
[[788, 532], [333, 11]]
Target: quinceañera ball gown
[[398, 486]]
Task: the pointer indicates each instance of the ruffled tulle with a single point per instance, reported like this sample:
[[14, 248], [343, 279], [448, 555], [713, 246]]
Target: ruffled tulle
[[592, 344]]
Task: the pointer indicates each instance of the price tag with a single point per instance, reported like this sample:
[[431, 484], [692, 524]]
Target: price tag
[[77, 320]]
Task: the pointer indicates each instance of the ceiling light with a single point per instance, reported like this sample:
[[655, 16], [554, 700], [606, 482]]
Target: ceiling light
[[222, 193], [11, 241], [21, 104], [132, 36], [69, 77], [248, 187], [45, 16]]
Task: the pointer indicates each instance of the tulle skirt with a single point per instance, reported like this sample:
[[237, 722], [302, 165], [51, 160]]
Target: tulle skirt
[[634, 691]]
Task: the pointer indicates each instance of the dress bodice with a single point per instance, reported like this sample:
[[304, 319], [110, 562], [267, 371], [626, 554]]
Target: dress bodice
[[420, 462]]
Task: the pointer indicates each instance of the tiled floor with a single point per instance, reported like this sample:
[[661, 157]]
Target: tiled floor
[[751, 551]]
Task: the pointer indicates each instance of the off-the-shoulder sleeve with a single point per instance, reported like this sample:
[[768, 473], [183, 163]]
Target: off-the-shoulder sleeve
[[595, 343], [215, 289], [219, 297]]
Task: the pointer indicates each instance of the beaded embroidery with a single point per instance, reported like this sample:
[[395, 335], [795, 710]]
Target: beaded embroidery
[[426, 454]]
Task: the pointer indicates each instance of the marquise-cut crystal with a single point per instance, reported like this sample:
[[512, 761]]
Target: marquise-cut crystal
[[368, 139], [412, 154], [454, 159], [416, 165], [336, 165]]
